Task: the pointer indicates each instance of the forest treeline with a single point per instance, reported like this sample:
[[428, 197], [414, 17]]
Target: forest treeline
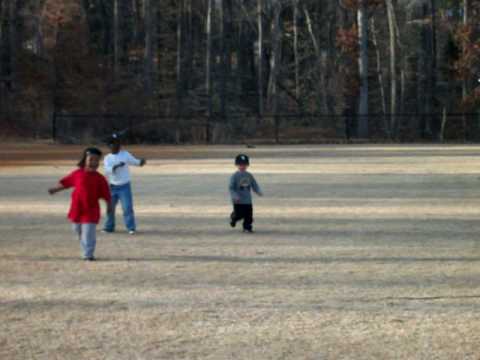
[[221, 70]]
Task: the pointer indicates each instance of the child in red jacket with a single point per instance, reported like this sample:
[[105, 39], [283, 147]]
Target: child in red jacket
[[89, 186]]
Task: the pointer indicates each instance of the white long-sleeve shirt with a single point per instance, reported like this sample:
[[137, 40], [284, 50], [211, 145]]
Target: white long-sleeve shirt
[[121, 175]]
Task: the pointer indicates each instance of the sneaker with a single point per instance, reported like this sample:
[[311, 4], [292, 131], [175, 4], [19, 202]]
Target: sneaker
[[232, 223], [91, 258], [105, 231], [132, 232], [248, 231]]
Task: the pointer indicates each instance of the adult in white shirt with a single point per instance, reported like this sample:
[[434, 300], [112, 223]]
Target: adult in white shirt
[[116, 168]]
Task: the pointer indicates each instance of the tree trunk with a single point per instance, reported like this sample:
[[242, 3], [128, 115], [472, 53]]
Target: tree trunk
[[275, 59], [229, 34], [362, 18], [435, 126], [117, 41], [321, 63], [295, 48], [150, 45], [330, 67], [424, 72], [260, 56], [12, 44], [393, 66], [316, 46], [3, 102], [380, 78], [189, 46], [466, 21], [208, 66], [38, 44], [403, 66], [137, 19], [403, 85], [223, 57], [180, 47]]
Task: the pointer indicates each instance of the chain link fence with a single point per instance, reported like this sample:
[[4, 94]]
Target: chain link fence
[[289, 129]]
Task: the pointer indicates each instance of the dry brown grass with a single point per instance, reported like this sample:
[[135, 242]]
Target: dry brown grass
[[360, 253]]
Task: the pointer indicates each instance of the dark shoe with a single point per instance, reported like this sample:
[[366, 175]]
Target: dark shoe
[[91, 258], [233, 223], [248, 231], [108, 231]]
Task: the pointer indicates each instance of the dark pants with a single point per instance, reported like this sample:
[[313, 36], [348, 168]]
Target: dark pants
[[245, 212]]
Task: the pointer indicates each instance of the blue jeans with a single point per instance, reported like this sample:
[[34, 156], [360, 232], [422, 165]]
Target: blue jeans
[[87, 235], [122, 193]]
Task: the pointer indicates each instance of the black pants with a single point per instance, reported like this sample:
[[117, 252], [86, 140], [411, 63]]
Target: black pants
[[245, 212]]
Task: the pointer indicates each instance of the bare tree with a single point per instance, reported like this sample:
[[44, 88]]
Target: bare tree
[[180, 49], [260, 56], [150, 45], [12, 41], [466, 22], [362, 20], [433, 75], [3, 50], [393, 66], [223, 57], [381, 81], [320, 60], [38, 37], [209, 65], [295, 47], [117, 40], [275, 63]]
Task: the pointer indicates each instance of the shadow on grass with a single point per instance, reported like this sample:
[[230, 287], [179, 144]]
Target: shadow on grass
[[320, 231], [342, 304], [258, 260]]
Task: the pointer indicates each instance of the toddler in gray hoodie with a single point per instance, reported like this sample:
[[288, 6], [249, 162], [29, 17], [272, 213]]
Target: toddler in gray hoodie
[[241, 185]]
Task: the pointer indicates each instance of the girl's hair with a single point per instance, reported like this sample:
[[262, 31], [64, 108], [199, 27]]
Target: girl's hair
[[87, 152]]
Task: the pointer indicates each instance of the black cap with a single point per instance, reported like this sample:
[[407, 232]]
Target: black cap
[[242, 159], [114, 139]]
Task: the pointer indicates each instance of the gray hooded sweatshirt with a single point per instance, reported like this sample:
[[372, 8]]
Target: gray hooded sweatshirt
[[241, 185]]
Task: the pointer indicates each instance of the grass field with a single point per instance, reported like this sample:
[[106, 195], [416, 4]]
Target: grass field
[[365, 252]]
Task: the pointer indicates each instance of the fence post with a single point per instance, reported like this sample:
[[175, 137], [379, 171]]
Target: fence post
[[277, 129], [207, 130], [54, 126], [130, 127]]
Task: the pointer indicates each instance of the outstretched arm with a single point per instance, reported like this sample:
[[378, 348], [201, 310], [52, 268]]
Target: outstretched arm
[[132, 160], [53, 190], [65, 183]]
